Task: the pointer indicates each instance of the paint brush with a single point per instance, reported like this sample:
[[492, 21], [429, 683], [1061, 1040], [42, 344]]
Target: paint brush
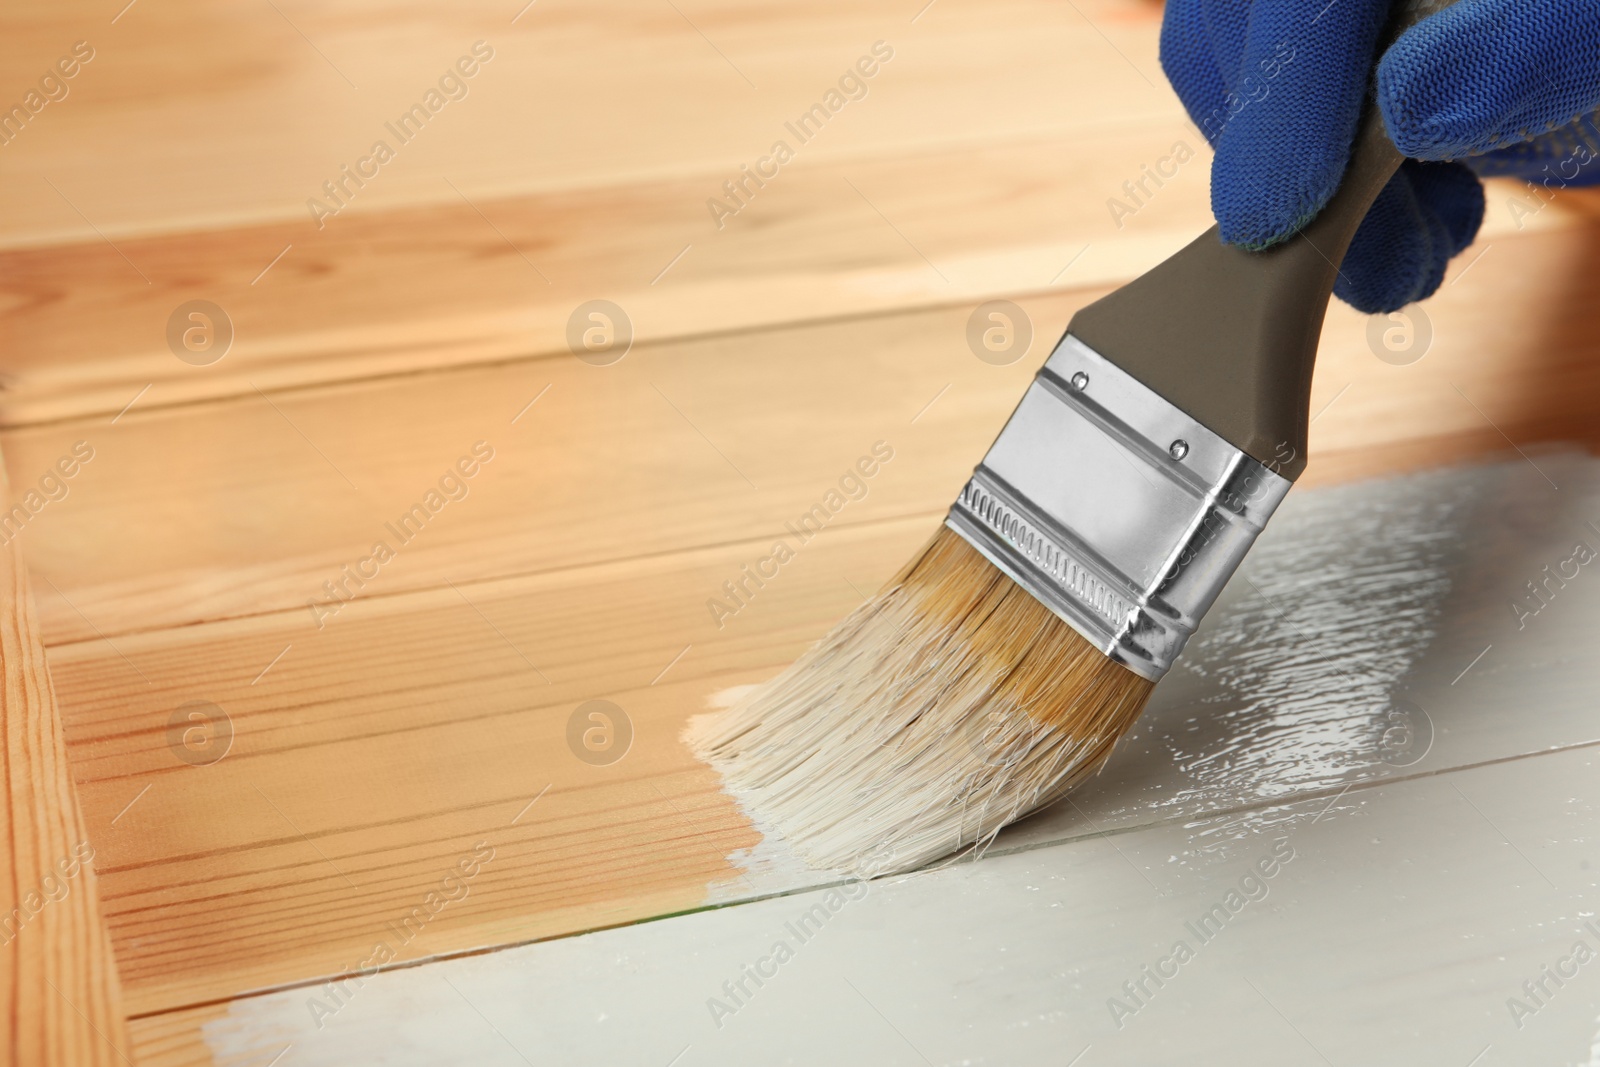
[[998, 669]]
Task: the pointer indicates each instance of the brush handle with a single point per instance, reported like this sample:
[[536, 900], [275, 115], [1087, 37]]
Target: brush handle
[[1229, 336]]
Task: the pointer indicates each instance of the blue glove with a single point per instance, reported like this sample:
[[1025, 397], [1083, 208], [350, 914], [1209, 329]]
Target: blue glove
[[1486, 87]]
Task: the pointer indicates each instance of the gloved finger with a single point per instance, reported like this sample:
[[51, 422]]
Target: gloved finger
[[1201, 41], [1485, 74], [1307, 65], [1423, 218], [1559, 159]]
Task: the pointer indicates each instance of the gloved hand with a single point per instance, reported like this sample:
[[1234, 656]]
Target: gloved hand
[[1486, 87]]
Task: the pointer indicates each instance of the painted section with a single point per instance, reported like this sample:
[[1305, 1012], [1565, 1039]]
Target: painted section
[[1406, 925], [1377, 630]]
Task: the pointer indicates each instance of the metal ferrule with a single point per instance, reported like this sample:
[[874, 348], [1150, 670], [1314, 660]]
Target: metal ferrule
[[1121, 514]]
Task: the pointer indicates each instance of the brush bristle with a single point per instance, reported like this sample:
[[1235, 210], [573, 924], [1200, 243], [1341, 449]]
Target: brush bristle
[[950, 704]]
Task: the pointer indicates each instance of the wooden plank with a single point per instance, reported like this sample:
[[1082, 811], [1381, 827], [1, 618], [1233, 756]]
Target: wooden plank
[[574, 97], [971, 169], [499, 278], [648, 456], [60, 1002], [247, 506], [475, 245], [176, 1039]]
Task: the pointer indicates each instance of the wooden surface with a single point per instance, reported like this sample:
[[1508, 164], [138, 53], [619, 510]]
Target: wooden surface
[[1367, 699], [340, 770], [59, 997], [981, 162], [578, 166]]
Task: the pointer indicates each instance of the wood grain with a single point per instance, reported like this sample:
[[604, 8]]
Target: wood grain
[[577, 96], [60, 1002], [579, 166], [498, 278], [415, 720], [360, 755], [340, 804], [274, 493]]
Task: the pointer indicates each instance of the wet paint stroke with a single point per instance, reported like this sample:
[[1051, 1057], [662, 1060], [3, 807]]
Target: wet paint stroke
[[1363, 610], [1336, 606], [1367, 623], [768, 866]]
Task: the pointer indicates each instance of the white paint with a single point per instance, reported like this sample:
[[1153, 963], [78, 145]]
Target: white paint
[[770, 866], [1418, 899], [1354, 599], [723, 699]]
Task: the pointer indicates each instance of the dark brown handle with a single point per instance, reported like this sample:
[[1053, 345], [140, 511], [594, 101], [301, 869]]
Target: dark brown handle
[[1373, 161], [1373, 156], [1230, 336]]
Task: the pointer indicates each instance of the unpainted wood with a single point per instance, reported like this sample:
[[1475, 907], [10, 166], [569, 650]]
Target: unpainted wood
[[250, 505], [60, 1001], [579, 166]]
